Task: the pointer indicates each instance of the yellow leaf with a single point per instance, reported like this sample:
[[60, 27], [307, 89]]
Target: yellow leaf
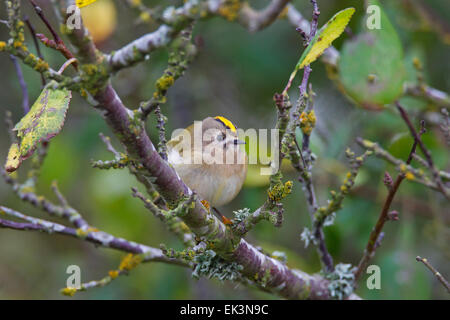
[[14, 160], [44, 120], [321, 41], [325, 36], [83, 3]]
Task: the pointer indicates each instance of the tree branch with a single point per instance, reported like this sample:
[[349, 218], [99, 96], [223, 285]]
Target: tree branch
[[94, 236], [256, 20], [57, 43], [426, 152], [417, 174], [23, 85], [436, 273], [131, 133], [376, 235], [433, 95]]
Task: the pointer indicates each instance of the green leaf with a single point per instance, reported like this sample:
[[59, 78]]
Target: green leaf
[[323, 39], [371, 68], [44, 120]]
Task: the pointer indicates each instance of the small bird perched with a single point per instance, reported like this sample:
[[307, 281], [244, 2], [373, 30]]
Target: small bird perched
[[216, 167]]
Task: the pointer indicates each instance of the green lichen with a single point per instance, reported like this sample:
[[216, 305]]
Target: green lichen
[[240, 215], [94, 77], [210, 265], [341, 281], [280, 256], [262, 281]]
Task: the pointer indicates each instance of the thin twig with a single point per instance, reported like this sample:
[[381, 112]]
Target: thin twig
[[10, 126], [62, 200], [256, 20], [161, 125], [433, 95], [418, 175], [36, 44], [374, 238], [305, 152], [445, 125], [425, 151], [107, 141], [91, 235], [23, 85], [41, 15], [57, 43], [27, 195], [66, 64], [436, 273], [180, 57]]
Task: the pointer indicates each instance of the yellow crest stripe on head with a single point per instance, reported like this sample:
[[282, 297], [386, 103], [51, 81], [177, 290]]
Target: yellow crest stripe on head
[[227, 123], [83, 3]]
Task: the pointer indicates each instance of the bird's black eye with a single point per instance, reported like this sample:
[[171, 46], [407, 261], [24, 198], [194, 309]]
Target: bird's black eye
[[221, 136]]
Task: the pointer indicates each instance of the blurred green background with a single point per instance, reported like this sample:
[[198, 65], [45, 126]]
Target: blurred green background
[[234, 75]]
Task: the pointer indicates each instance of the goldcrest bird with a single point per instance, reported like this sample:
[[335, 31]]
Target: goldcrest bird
[[216, 166]]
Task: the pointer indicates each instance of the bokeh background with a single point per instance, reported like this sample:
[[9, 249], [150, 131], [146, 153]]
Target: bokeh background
[[234, 75]]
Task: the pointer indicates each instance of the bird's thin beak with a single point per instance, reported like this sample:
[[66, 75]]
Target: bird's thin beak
[[237, 141]]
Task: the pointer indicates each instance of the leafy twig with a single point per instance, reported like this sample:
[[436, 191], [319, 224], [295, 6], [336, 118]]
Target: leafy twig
[[304, 117]]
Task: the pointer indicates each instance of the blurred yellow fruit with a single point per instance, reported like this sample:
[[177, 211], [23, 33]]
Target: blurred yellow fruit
[[100, 18], [256, 179]]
